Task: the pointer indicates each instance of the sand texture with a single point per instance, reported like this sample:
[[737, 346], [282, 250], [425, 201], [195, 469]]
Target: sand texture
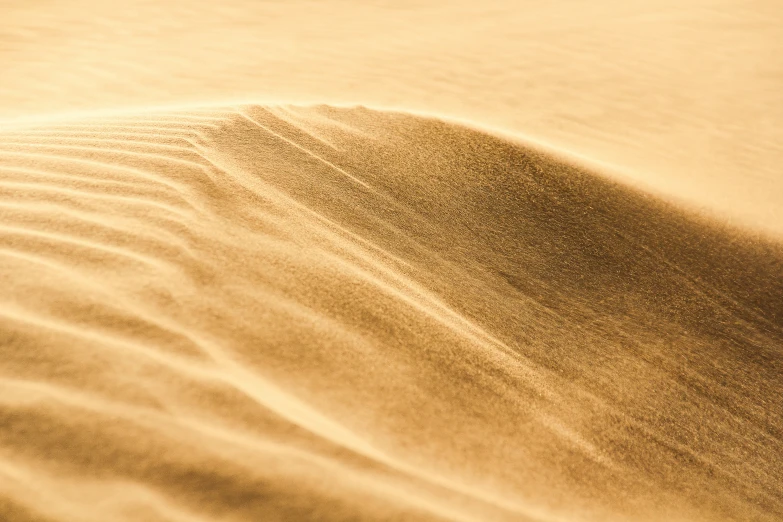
[[345, 260], [276, 313], [683, 96]]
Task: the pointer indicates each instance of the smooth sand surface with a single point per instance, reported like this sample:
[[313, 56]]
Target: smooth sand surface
[[220, 310], [683, 96]]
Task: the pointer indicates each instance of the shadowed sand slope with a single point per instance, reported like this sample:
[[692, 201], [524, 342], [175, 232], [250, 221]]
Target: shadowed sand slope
[[253, 313]]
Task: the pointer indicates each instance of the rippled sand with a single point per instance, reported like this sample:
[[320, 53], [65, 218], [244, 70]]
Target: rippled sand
[[683, 96], [213, 310], [276, 313]]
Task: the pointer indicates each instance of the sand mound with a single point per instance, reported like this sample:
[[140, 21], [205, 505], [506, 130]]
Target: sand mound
[[279, 313]]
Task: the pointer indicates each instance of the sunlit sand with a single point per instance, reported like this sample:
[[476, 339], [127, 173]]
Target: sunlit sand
[[410, 290]]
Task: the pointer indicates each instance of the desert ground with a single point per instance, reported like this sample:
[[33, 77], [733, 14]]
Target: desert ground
[[374, 260]]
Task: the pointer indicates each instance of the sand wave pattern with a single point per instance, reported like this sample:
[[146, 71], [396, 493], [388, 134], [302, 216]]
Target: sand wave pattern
[[282, 313]]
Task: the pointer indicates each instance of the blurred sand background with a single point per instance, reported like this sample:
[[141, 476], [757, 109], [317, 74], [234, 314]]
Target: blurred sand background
[[341, 260], [684, 96]]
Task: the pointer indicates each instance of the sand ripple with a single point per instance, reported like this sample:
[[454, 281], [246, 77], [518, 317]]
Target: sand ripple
[[251, 313]]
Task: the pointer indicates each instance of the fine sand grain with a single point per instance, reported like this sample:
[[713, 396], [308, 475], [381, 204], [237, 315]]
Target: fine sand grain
[[346, 260], [281, 313]]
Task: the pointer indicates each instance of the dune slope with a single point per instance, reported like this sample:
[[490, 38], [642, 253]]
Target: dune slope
[[285, 313]]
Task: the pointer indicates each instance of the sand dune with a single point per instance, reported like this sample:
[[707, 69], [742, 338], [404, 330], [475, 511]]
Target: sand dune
[[682, 96], [282, 313]]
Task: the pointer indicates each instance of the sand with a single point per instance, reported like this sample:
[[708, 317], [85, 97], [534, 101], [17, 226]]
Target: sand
[[389, 305], [683, 97]]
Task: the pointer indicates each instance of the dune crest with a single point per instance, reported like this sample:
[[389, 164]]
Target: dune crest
[[243, 313]]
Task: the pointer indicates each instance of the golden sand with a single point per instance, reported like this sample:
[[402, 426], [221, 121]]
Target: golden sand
[[229, 311]]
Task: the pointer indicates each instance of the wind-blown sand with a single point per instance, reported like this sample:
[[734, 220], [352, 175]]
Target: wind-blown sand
[[281, 313], [504, 260], [681, 95]]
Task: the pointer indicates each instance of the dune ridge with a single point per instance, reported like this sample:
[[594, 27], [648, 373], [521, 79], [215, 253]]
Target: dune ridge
[[244, 312]]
